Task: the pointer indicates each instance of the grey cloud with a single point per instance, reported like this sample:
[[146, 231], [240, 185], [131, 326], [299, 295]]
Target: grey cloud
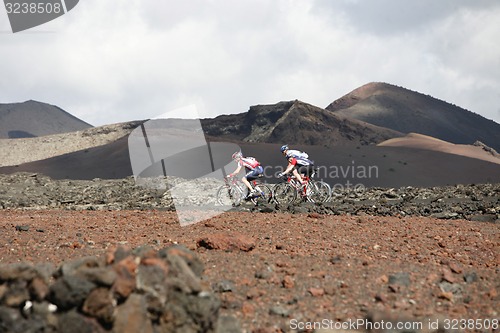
[[229, 15], [386, 17]]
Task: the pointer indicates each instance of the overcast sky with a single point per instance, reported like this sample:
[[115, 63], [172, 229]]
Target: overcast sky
[[112, 61]]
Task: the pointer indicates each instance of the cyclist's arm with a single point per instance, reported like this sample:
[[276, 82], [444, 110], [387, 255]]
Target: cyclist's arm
[[291, 163], [238, 169]]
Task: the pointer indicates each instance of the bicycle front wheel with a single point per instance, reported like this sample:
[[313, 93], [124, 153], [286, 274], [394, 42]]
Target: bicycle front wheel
[[284, 193], [228, 196], [265, 194], [318, 191]]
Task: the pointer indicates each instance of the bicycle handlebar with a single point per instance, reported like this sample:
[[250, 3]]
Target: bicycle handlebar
[[229, 179]]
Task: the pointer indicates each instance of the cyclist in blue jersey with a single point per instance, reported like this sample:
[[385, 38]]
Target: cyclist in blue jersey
[[298, 163]]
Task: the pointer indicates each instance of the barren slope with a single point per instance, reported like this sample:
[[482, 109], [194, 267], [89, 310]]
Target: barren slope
[[343, 165], [23, 150], [407, 111]]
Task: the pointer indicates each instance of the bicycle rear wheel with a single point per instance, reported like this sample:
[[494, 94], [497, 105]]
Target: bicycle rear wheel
[[228, 196], [284, 193]]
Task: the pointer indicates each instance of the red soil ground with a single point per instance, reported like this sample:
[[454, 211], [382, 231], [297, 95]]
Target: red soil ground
[[302, 268]]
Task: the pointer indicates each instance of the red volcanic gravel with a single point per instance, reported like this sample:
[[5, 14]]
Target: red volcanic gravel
[[280, 272]]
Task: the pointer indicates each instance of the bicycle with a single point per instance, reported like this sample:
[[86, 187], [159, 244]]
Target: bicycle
[[233, 192], [315, 191]]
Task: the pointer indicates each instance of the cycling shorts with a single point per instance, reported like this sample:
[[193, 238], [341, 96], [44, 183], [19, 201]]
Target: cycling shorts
[[254, 174], [305, 169]]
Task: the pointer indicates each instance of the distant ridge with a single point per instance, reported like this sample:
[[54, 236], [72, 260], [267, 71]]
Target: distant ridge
[[407, 111], [295, 122], [419, 141], [23, 150], [32, 119]]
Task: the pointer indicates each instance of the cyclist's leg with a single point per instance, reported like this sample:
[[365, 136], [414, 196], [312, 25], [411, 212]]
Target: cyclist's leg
[[247, 183], [251, 175], [258, 172], [296, 172], [305, 172]]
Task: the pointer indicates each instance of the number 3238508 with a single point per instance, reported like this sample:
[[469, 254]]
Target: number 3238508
[[33, 8], [472, 324]]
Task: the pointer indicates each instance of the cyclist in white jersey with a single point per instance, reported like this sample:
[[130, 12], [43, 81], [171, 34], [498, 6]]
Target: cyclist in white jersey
[[253, 170], [298, 162]]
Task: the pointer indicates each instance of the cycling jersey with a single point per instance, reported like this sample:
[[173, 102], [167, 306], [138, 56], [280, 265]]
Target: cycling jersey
[[249, 163], [298, 157]]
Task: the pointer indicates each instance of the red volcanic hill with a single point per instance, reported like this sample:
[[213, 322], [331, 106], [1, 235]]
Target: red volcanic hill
[[424, 142], [407, 111], [32, 119]]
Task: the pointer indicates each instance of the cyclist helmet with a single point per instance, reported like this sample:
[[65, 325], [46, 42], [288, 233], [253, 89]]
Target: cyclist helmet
[[238, 155], [283, 148]]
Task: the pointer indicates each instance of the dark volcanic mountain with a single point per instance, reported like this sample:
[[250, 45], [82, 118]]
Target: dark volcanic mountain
[[295, 122], [407, 111], [32, 119]]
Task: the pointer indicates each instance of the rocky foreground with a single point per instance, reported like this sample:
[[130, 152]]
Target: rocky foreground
[[479, 202], [123, 291], [90, 256]]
